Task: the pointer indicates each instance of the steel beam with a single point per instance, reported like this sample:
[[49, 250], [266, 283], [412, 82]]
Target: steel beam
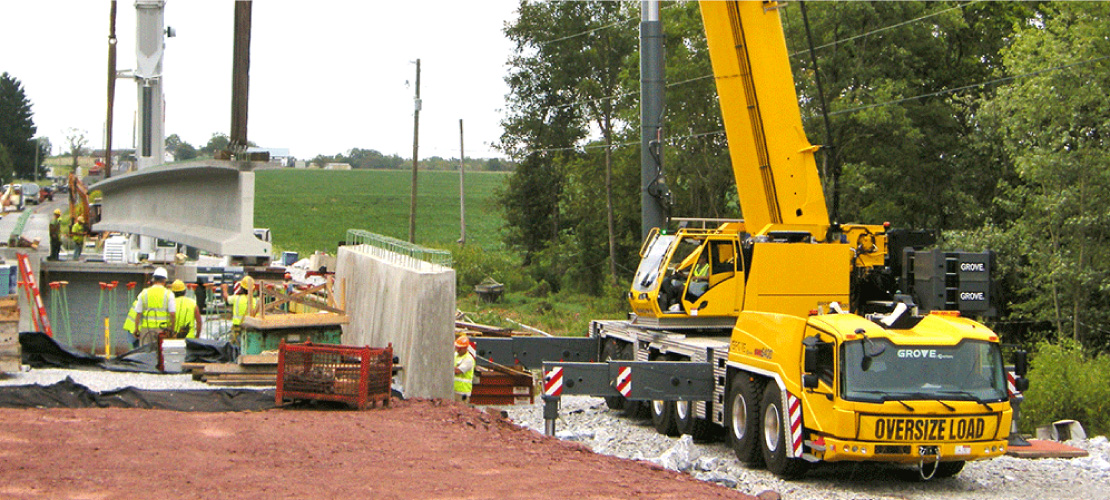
[[207, 205]]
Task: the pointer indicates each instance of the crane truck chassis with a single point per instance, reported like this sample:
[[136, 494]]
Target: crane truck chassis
[[805, 340]]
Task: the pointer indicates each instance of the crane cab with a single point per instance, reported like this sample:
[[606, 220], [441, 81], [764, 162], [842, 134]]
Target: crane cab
[[691, 278]]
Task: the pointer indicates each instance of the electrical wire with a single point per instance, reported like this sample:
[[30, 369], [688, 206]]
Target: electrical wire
[[966, 87]]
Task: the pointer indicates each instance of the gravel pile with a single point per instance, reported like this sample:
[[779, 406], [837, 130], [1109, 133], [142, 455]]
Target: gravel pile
[[588, 421]]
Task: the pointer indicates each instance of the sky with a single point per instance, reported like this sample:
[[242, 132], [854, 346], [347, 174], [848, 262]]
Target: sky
[[326, 75]]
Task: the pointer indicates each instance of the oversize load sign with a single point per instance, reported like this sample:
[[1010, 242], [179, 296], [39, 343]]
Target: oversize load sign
[[928, 429]]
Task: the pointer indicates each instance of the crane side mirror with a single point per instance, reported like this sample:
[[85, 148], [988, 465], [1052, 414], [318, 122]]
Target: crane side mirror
[[810, 361], [1021, 363], [809, 381], [1021, 384]]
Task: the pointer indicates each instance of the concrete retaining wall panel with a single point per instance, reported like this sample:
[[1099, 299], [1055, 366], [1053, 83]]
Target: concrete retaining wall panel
[[410, 304]]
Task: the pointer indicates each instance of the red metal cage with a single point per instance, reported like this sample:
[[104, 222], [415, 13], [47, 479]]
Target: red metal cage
[[358, 376]]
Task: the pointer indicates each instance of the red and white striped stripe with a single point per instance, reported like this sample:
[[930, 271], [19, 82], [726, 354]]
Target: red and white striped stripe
[[1011, 385], [40, 319], [553, 382], [794, 409], [624, 380]]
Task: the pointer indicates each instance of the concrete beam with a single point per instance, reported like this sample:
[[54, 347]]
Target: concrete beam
[[207, 205]]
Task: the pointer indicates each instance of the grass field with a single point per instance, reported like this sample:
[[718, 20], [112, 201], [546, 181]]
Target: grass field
[[308, 210]]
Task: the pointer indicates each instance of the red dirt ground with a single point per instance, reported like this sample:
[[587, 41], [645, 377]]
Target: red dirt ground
[[413, 449]]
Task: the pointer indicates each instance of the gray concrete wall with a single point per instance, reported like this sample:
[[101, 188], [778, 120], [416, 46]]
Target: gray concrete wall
[[406, 302]]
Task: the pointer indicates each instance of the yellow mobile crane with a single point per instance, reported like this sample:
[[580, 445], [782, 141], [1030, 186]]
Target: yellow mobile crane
[[800, 337]]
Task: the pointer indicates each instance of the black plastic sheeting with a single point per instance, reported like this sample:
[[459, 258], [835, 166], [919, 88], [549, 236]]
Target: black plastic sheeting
[[42, 351], [69, 394], [210, 351]]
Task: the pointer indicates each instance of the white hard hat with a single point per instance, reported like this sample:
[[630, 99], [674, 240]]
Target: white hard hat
[[161, 273]]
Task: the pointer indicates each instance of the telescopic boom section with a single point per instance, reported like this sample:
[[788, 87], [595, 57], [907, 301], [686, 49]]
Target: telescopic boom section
[[773, 162]]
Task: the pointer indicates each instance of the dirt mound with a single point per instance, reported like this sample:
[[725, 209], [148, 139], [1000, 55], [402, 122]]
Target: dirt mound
[[414, 449]]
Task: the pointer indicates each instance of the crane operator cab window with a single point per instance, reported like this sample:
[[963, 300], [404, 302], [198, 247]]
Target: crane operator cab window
[[696, 268]]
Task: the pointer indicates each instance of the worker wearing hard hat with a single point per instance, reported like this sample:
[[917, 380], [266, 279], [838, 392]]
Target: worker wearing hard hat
[[155, 308], [464, 369], [241, 305], [188, 320], [55, 235], [78, 232]]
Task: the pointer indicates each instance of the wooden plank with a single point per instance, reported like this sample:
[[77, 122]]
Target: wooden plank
[[219, 368], [278, 321], [242, 376], [258, 359], [242, 382]]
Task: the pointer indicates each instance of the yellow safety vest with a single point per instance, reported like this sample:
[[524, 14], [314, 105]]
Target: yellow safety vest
[[239, 308], [464, 382], [156, 309], [129, 323], [185, 319]]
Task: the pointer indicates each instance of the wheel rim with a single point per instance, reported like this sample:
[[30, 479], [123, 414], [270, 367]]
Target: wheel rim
[[771, 427], [657, 407], [681, 409], [739, 416]]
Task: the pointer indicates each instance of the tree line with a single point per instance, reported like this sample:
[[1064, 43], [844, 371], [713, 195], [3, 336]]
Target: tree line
[[985, 120]]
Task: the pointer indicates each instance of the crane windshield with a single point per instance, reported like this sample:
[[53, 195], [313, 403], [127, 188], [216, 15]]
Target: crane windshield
[[650, 266], [878, 370]]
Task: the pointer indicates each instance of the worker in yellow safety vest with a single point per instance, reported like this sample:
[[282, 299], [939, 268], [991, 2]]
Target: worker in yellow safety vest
[[154, 308], [241, 305], [464, 369], [129, 324], [188, 320]]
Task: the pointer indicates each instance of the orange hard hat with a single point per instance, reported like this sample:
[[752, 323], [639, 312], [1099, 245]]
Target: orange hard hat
[[462, 342]]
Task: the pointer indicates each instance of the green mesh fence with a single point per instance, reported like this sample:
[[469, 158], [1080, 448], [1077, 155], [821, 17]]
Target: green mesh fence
[[400, 248]]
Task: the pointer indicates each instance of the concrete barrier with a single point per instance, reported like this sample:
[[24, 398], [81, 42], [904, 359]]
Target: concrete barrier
[[396, 299]]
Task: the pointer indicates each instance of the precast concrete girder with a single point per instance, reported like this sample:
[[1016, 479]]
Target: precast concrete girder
[[208, 205]]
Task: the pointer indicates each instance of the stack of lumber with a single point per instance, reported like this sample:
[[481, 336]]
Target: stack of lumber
[[9, 335], [252, 369]]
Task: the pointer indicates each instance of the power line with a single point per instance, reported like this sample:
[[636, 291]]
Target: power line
[[966, 87], [886, 28]]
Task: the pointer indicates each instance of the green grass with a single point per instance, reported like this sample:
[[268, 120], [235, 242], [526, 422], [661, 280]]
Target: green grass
[[308, 210]]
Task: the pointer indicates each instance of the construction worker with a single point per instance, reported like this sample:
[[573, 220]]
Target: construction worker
[[464, 369], [188, 320], [78, 232], [129, 324], [55, 235], [241, 306], [154, 308]]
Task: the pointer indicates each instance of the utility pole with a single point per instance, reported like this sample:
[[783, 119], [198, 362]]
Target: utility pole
[[240, 77], [415, 150], [653, 187], [111, 90], [462, 188]]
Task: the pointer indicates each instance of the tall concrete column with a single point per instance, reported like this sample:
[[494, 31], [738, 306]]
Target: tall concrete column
[[652, 185], [150, 143]]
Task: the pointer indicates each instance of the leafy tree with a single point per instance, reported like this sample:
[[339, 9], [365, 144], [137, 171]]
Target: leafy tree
[[185, 151], [566, 66], [1053, 123], [218, 142], [180, 149], [76, 140], [898, 131], [17, 126], [7, 168]]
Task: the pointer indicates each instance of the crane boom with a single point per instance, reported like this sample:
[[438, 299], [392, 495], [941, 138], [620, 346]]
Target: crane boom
[[772, 161]]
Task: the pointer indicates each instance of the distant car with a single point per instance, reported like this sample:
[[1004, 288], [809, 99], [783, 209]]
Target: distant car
[[31, 193], [46, 194]]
